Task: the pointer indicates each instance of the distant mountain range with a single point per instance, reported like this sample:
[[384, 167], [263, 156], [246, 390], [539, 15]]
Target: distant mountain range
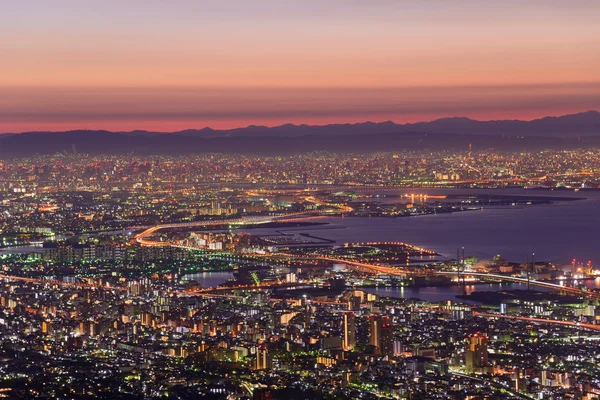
[[575, 130]]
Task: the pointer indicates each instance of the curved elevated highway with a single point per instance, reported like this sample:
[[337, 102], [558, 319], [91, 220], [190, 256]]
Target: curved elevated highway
[[141, 238]]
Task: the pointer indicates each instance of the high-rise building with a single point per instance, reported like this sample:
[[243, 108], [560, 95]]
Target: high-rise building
[[137, 290], [290, 278], [381, 335], [354, 303], [476, 354], [94, 328], [147, 319], [386, 343], [349, 339], [262, 358], [84, 328], [375, 331], [47, 327]]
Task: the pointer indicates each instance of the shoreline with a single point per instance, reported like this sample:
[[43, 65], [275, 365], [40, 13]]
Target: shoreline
[[450, 284]]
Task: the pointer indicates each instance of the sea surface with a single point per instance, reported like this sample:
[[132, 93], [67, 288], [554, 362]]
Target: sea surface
[[557, 232], [209, 279]]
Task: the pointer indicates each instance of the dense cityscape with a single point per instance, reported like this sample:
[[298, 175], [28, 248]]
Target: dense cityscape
[[300, 200], [100, 294], [550, 168]]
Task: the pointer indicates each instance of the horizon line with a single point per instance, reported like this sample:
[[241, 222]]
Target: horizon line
[[303, 124]]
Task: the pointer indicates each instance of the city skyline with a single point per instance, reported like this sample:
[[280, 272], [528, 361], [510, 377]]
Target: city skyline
[[300, 200]]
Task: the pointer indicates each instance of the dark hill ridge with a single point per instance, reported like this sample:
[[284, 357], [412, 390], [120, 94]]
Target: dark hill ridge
[[98, 142], [568, 131], [581, 124]]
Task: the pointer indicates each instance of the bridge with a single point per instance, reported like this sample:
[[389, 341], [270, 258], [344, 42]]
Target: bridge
[[395, 271], [367, 268], [341, 207], [539, 320], [548, 285]]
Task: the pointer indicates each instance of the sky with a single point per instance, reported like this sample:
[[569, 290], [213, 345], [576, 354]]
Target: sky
[[178, 64]]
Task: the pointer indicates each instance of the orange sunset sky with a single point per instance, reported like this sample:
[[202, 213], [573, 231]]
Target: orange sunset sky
[[170, 65]]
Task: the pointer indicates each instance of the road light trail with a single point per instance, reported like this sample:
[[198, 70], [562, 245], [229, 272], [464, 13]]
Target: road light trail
[[59, 283]]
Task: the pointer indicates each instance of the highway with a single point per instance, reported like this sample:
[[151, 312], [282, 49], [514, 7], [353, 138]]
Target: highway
[[539, 320], [59, 283], [141, 237]]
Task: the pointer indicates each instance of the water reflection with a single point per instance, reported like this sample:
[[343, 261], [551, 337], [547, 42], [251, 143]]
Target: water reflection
[[209, 279], [436, 294]]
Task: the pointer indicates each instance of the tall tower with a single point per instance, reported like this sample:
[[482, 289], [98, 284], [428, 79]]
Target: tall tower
[[476, 354], [262, 358], [354, 303], [382, 335], [386, 343], [375, 331], [349, 339]]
